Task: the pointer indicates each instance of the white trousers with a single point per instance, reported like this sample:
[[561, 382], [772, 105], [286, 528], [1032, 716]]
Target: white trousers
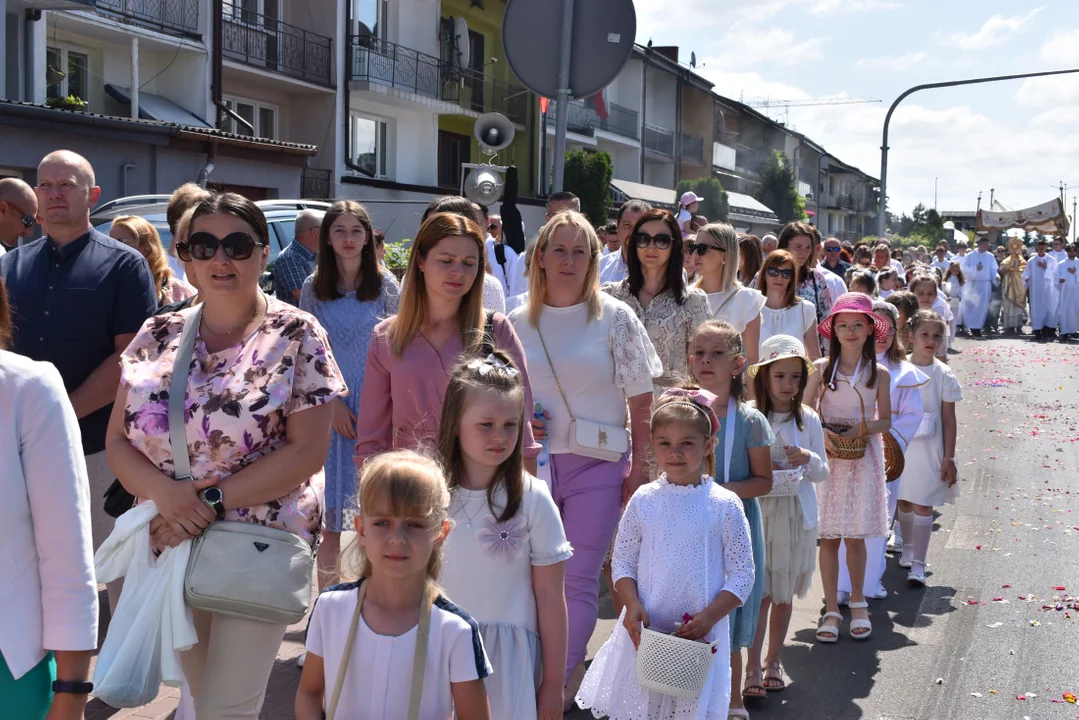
[[876, 557]]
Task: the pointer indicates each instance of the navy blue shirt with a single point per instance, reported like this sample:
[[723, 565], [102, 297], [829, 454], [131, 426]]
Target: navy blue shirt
[[69, 303]]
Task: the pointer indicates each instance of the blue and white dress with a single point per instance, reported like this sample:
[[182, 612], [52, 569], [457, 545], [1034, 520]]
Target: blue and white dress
[[349, 324]]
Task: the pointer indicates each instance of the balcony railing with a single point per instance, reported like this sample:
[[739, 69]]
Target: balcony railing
[[658, 140], [723, 156], [584, 120], [845, 201], [315, 184], [378, 61], [265, 42], [693, 149], [180, 17]]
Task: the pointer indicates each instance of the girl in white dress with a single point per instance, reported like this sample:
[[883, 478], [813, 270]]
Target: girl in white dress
[[930, 474], [925, 288], [784, 313], [507, 535], [955, 280], [716, 256], [363, 638], [682, 563]]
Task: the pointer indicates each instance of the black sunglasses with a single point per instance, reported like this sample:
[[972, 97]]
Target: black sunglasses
[[832, 249], [203, 246], [776, 272], [662, 241], [27, 220], [701, 249]]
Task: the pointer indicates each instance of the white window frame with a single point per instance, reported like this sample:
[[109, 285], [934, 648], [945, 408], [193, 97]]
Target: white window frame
[[382, 17], [65, 50], [233, 127], [234, 10], [382, 142]]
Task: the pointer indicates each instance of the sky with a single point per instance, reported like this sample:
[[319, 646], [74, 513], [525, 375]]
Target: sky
[[1019, 137]]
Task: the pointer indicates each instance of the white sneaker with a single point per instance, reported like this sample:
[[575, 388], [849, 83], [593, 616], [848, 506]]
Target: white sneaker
[[301, 660], [879, 594], [895, 544]]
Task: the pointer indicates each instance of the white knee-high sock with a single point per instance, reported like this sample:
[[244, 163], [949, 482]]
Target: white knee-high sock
[[922, 528], [906, 525]]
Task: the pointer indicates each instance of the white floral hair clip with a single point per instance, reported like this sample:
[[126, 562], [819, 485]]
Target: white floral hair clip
[[492, 362]]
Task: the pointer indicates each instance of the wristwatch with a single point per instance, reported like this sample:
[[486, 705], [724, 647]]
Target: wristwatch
[[215, 499], [72, 687]]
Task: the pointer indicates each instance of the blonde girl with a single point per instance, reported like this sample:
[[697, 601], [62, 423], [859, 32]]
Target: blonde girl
[[926, 288], [930, 473], [138, 233], [507, 535], [717, 361], [682, 563], [362, 640], [789, 514], [852, 392]]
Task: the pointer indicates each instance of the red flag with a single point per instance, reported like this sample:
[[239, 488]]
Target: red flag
[[543, 105], [599, 101]]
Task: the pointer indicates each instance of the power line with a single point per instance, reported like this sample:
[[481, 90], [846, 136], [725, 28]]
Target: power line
[[809, 103]]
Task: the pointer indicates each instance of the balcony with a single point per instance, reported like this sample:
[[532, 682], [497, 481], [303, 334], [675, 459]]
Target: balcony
[[384, 63], [584, 120], [658, 140], [176, 17], [845, 202], [723, 156], [316, 184], [268, 44], [749, 159], [692, 149]]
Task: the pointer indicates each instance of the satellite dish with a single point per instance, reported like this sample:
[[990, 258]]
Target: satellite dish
[[462, 42], [494, 131], [693, 59], [484, 186], [603, 33]]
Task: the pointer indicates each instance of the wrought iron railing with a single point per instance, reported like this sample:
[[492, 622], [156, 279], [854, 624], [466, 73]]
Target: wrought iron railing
[[845, 201], [316, 184], [658, 140], [693, 149], [266, 42], [584, 119], [379, 61], [172, 16], [621, 121]]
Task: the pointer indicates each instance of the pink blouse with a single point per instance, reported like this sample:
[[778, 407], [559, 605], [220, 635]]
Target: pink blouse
[[401, 399], [236, 405]]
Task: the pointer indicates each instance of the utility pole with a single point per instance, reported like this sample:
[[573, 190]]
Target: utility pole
[[991, 191], [935, 181], [1073, 219]]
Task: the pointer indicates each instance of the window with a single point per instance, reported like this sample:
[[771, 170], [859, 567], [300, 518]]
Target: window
[[369, 18], [262, 117], [369, 142], [76, 65], [251, 12], [453, 151]]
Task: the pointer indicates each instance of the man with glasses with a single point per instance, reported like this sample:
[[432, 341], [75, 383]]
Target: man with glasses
[[833, 258], [297, 261], [500, 256], [18, 211], [78, 297]]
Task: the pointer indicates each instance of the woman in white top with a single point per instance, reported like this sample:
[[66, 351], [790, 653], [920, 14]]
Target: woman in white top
[[47, 585], [784, 313], [590, 358], [716, 256]]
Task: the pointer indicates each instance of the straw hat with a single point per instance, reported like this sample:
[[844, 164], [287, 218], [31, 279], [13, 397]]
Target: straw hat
[[781, 347], [855, 302]]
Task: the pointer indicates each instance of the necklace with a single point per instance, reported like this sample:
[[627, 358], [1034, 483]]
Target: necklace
[[468, 518], [244, 324]]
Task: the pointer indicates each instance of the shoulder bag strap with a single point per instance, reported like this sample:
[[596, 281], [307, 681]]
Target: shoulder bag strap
[[181, 367], [419, 659], [553, 372]]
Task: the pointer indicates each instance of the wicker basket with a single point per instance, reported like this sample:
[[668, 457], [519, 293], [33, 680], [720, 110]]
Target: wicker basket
[[672, 665], [847, 448], [893, 458]]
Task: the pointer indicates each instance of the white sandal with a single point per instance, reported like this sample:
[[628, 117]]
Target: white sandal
[[824, 627], [859, 623]]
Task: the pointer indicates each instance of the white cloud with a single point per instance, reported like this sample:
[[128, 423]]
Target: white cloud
[[898, 62], [997, 30], [1061, 48], [747, 45], [829, 7]]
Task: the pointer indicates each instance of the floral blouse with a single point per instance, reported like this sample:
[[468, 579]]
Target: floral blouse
[[670, 326], [236, 405]]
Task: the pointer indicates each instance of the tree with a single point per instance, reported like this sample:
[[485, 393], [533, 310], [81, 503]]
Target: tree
[[778, 189], [588, 176], [714, 206]]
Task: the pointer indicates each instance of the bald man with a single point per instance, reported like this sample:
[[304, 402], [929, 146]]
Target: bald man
[[18, 210], [77, 298]]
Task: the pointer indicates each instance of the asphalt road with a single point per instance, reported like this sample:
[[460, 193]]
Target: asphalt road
[[979, 636]]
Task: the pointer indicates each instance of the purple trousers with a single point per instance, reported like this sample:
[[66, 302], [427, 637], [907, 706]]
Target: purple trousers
[[588, 493]]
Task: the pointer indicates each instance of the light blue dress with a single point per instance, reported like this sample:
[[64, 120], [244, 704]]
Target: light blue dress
[[751, 430], [349, 323]]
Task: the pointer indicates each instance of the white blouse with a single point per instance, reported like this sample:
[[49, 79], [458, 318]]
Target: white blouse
[[737, 305], [794, 320], [600, 364], [811, 438]]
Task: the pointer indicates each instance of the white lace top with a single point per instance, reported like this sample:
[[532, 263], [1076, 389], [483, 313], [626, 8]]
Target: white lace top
[[670, 325], [794, 321], [494, 298], [684, 545], [738, 305], [600, 363]]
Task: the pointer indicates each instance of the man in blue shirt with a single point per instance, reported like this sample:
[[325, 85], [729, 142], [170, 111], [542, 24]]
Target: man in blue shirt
[[77, 299], [297, 261]]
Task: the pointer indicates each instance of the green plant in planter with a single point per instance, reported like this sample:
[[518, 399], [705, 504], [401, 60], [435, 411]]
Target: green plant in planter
[[397, 256], [71, 101]]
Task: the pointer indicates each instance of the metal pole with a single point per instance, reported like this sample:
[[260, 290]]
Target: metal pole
[[882, 210], [935, 192], [562, 101]]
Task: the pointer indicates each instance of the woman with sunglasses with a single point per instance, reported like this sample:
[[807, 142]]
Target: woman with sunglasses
[[656, 290], [784, 313], [259, 398], [802, 241], [717, 255]]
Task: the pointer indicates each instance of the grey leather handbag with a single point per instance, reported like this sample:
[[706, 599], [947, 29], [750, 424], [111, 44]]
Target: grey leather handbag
[[236, 568]]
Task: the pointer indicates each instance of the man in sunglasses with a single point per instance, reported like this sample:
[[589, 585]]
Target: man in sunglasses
[[18, 208], [833, 258], [502, 258], [78, 297]]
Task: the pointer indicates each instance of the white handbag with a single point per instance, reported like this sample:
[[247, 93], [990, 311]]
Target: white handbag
[[590, 438], [236, 568], [927, 427]]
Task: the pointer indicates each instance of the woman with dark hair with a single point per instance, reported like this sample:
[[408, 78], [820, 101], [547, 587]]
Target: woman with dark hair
[[259, 392], [750, 256], [440, 322], [349, 294], [656, 291], [802, 241]]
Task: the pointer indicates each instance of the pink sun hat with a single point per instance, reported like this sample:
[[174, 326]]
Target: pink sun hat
[[855, 302]]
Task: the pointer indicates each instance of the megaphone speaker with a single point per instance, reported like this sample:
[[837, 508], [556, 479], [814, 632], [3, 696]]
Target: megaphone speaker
[[484, 186], [494, 131]]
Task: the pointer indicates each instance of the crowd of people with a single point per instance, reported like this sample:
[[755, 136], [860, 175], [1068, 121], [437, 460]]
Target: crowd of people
[[698, 418]]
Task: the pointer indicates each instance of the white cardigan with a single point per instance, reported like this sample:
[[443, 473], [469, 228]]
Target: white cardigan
[[48, 592]]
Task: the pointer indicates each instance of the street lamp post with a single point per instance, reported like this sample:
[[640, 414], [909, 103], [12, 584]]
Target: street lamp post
[[881, 214]]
